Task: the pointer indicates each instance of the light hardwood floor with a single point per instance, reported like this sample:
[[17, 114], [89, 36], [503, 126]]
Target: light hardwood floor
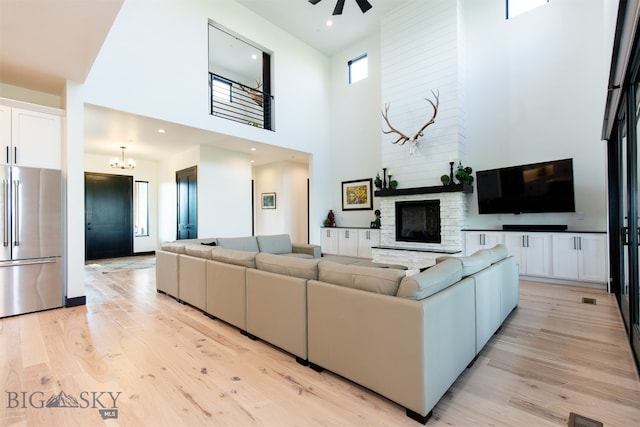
[[173, 366]]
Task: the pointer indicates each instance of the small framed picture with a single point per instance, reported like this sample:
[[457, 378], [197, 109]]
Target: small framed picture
[[357, 195], [268, 200]]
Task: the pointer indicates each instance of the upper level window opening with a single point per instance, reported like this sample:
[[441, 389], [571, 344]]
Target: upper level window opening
[[358, 68], [221, 90], [518, 7]]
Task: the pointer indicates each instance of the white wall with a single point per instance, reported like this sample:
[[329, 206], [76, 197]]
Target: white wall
[[154, 63], [511, 92], [224, 193], [145, 171], [355, 130], [536, 91], [289, 181]]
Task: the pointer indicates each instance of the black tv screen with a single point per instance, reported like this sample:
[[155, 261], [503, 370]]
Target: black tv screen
[[532, 188]]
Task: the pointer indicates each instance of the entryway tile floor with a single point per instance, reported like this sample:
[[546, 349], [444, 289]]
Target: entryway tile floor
[[124, 263]]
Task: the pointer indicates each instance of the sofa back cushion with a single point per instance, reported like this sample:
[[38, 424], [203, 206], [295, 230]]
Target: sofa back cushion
[[275, 244], [432, 280], [371, 279], [199, 251], [247, 244], [496, 253], [288, 266], [232, 256], [175, 247], [471, 264]]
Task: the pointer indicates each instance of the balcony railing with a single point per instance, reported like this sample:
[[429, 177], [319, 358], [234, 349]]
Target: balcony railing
[[234, 101]]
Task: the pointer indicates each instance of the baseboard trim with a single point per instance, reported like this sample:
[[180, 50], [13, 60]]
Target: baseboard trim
[[75, 301]]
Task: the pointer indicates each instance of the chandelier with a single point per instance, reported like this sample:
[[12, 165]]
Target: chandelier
[[121, 163]]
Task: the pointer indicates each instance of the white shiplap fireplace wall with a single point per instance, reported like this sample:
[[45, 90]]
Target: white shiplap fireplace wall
[[420, 52], [421, 48]]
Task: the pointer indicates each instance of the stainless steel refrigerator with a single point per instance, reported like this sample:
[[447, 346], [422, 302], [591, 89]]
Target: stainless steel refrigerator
[[32, 247]]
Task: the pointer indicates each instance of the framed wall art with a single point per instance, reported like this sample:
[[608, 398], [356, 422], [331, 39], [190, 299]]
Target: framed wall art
[[357, 195], [268, 200]]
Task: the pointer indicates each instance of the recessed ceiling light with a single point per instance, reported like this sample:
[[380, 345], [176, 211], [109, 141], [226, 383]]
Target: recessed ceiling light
[[254, 56], [253, 161], [329, 23], [253, 149], [161, 131]]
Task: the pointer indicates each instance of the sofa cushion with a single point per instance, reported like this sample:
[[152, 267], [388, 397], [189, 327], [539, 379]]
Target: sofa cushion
[[432, 280], [288, 266], [471, 264], [175, 247], [275, 244], [247, 244], [497, 253], [232, 256], [371, 279], [198, 250]]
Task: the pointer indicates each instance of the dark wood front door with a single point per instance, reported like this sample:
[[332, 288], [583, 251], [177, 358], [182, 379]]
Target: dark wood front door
[[108, 215], [186, 182]]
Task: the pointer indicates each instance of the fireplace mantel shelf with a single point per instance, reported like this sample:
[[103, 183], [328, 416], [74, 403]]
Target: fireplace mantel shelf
[[455, 188]]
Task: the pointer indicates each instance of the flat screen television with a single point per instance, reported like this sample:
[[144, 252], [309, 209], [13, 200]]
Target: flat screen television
[[531, 188]]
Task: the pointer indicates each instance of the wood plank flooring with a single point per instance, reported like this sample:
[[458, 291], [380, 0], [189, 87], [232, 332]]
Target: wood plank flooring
[[166, 364]]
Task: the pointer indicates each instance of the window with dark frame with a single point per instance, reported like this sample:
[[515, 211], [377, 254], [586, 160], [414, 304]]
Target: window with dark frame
[[358, 68], [517, 7]]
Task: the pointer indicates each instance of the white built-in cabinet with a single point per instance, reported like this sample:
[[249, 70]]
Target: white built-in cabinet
[[30, 137], [329, 240], [367, 239], [476, 240], [532, 252], [354, 242], [578, 257]]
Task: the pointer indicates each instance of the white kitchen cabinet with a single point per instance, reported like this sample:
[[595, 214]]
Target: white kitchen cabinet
[[366, 240], [329, 241], [580, 256], [532, 252], [29, 137], [476, 240]]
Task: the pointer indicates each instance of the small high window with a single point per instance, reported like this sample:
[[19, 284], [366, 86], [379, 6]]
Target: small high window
[[517, 7], [358, 69]]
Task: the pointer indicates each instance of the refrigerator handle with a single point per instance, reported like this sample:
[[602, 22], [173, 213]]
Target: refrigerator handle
[[16, 210], [5, 214]]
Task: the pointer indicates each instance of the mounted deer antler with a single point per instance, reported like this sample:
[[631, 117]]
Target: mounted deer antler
[[254, 93], [402, 138]]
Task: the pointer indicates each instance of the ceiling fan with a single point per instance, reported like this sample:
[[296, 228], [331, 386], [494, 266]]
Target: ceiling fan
[[364, 6]]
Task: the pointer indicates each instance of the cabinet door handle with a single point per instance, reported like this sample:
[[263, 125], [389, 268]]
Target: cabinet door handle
[[346, 234], [7, 153], [624, 231], [579, 243], [15, 155]]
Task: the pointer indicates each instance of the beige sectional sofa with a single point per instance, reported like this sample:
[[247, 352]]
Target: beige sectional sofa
[[406, 337]]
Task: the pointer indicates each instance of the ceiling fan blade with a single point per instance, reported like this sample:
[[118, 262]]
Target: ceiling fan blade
[[314, 1], [339, 7], [364, 5]]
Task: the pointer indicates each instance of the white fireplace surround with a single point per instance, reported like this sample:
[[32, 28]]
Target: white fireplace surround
[[453, 215]]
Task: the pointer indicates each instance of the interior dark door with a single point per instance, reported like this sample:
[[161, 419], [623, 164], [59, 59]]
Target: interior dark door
[[108, 215], [186, 182]]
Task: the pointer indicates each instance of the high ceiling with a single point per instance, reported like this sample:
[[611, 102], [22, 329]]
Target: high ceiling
[[44, 43], [308, 22]]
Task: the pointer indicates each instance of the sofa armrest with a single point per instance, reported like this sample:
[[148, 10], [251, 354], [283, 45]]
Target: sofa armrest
[[305, 248]]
